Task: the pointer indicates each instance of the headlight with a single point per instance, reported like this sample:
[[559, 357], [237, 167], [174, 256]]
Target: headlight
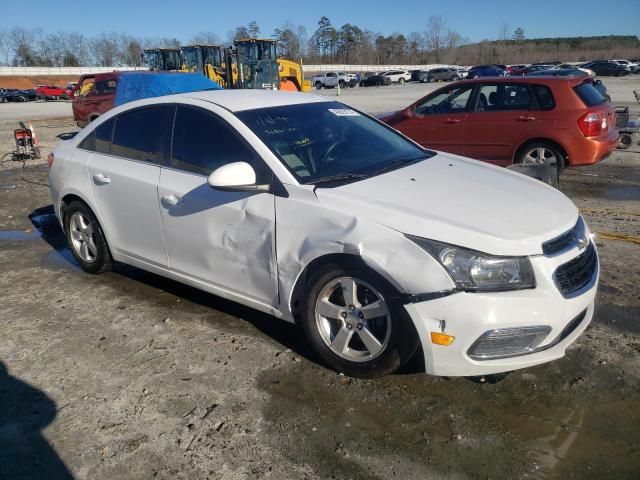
[[476, 271]]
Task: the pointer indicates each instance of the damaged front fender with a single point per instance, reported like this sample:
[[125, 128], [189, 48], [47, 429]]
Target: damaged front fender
[[307, 231]]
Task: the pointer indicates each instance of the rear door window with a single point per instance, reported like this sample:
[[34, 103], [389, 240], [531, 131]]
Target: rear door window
[[503, 96], [138, 134], [99, 140], [589, 95], [202, 154], [105, 87]]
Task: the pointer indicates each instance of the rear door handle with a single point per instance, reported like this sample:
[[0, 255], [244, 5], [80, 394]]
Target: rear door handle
[[170, 200], [452, 120], [525, 118], [100, 179]]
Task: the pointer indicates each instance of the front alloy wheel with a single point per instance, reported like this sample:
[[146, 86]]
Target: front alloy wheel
[[353, 319], [356, 325]]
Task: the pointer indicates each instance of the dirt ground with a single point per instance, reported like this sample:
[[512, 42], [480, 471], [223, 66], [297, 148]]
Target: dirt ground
[[129, 375]]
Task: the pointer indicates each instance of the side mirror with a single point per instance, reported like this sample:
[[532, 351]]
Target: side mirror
[[236, 177]]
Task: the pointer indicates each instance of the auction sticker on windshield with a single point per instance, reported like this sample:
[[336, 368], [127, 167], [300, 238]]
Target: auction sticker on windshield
[[344, 112]]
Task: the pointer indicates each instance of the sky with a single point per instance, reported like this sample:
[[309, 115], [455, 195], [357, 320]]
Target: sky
[[475, 19]]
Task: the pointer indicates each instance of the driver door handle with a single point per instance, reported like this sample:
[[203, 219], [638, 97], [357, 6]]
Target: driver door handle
[[170, 200], [100, 179], [452, 120]]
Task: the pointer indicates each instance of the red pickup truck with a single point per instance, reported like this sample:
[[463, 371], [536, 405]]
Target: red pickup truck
[[50, 92], [93, 95]]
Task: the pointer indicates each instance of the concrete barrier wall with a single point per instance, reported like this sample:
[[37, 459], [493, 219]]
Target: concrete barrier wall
[[369, 68], [59, 71], [70, 71]]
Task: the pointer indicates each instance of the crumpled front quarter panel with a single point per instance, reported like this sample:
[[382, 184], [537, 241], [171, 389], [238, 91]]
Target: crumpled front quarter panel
[[307, 229]]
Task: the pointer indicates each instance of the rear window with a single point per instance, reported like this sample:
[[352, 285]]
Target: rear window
[[589, 95]]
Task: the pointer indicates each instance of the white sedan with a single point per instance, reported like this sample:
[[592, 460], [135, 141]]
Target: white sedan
[[313, 212]]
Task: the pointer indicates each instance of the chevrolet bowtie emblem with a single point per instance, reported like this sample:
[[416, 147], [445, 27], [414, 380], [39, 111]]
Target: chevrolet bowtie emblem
[[582, 243]]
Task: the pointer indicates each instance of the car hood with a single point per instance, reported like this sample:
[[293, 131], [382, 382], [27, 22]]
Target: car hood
[[459, 201]]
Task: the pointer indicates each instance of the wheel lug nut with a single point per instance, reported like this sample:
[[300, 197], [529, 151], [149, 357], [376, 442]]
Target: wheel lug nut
[[352, 308], [359, 326], [349, 326], [343, 314]]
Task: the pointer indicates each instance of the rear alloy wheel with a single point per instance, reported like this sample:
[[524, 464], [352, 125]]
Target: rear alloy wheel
[[318, 85], [541, 153], [430, 79], [401, 81], [353, 327], [85, 239]]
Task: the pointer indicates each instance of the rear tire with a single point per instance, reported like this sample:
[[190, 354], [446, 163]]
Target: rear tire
[[349, 337], [318, 85], [625, 141], [429, 79], [86, 239], [540, 153], [401, 81]]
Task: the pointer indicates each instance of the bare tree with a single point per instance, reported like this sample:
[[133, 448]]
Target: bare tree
[[22, 41], [105, 49], [435, 34], [206, 38], [253, 29], [5, 46]]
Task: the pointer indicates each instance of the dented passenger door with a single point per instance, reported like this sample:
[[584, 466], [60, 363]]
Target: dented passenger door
[[222, 239]]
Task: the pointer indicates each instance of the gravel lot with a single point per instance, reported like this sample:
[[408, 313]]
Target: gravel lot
[[128, 375]]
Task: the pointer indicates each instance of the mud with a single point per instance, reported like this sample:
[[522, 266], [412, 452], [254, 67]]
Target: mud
[[129, 375]]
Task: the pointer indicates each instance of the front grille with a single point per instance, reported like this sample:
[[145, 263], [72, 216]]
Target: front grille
[[576, 274], [566, 240]]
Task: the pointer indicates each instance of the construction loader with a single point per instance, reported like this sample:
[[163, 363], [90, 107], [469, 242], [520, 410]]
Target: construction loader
[[162, 59]]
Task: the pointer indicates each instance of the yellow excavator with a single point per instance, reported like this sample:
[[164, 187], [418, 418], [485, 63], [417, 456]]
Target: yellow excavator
[[289, 72], [162, 59], [251, 63], [210, 60]]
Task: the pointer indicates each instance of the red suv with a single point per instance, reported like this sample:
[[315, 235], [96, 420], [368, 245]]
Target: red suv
[[561, 120], [93, 96]]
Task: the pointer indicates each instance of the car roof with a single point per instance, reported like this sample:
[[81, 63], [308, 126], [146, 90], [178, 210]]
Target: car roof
[[239, 100], [528, 79]]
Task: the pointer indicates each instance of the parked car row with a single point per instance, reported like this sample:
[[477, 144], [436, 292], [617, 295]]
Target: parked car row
[[16, 95], [40, 92]]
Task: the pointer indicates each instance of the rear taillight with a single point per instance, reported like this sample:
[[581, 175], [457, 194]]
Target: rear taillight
[[591, 124], [50, 159]]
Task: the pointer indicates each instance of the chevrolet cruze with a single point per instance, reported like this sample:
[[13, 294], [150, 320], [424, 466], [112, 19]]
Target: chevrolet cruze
[[313, 212]]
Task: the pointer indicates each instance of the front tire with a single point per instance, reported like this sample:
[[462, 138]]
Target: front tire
[[401, 81], [318, 85], [352, 322], [86, 239], [429, 79]]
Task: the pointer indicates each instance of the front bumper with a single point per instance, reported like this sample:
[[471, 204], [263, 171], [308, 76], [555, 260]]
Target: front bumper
[[467, 316]]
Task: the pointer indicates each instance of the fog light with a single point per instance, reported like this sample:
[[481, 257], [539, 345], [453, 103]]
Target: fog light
[[441, 338], [508, 342]]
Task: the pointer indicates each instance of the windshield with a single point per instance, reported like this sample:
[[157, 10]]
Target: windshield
[[171, 59], [316, 141], [192, 58]]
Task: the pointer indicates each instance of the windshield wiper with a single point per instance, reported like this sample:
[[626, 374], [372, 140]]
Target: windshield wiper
[[337, 178], [396, 164]]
